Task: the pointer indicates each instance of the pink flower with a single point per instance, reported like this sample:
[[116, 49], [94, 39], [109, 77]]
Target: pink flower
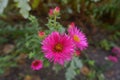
[[116, 51], [57, 10], [41, 34], [78, 37], [51, 12], [36, 64], [112, 58], [58, 47]]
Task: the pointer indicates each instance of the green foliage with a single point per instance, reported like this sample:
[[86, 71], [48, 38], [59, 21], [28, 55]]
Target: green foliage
[[35, 4], [3, 5], [116, 35], [91, 63], [29, 38], [3, 40], [57, 68], [101, 77], [6, 62], [92, 75], [105, 44], [71, 72], [105, 8], [106, 15], [95, 0], [18, 35], [98, 12], [24, 7], [54, 25], [95, 72]]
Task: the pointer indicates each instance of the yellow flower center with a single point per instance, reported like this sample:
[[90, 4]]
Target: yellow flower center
[[76, 38], [58, 47]]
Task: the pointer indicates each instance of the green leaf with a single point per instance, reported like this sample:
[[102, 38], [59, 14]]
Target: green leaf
[[31, 55], [24, 7], [77, 62], [70, 73], [91, 62], [3, 5], [46, 64], [101, 77], [56, 68], [1, 71], [35, 3], [105, 44]]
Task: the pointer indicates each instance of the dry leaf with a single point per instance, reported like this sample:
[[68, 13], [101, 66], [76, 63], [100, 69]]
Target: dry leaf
[[28, 77], [36, 77], [8, 48], [21, 59], [85, 70], [32, 77]]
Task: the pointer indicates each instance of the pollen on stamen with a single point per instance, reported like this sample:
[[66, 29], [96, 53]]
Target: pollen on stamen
[[76, 38], [58, 47]]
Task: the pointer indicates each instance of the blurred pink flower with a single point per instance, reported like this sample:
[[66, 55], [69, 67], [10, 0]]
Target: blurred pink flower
[[58, 48], [116, 51], [36, 64], [77, 53], [78, 37], [72, 24], [112, 58], [51, 12], [41, 33]]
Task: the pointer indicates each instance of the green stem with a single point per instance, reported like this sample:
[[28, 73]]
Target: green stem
[[55, 21]]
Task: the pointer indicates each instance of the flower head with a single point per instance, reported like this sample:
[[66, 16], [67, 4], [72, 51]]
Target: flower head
[[58, 47], [78, 37], [112, 58], [36, 64]]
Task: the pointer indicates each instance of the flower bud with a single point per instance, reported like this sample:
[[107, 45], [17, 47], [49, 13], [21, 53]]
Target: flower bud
[[57, 10], [41, 34], [51, 12], [71, 25]]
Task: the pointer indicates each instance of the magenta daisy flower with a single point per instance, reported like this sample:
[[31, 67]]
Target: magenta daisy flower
[[112, 58], [36, 64], [58, 48], [78, 37]]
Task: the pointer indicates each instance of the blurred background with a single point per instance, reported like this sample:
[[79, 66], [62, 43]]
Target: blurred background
[[98, 19]]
